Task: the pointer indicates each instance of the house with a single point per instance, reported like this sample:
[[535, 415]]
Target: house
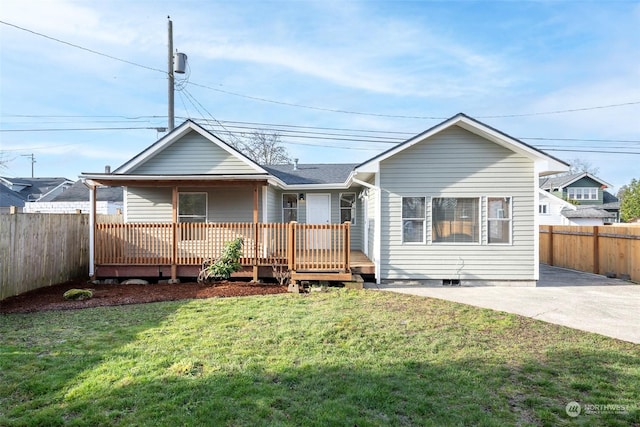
[[454, 204], [590, 203], [109, 201], [18, 191]]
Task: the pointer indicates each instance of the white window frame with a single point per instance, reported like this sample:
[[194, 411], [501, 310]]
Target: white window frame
[[478, 235], [206, 206], [582, 193], [500, 217], [294, 209], [547, 208], [352, 208], [423, 219]]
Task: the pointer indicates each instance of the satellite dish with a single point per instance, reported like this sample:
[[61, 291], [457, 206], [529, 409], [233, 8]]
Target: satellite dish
[[181, 62]]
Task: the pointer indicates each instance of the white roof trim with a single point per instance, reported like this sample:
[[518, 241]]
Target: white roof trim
[[587, 175], [555, 199], [474, 127], [174, 136]]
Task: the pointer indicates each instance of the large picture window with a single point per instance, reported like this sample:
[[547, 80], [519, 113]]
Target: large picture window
[[413, 219], [455, 220], [499, 220], [192, 207], [348, 208], [289, 207]]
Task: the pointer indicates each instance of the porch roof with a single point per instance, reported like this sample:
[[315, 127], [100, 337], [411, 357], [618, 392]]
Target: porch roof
[[96, 179]]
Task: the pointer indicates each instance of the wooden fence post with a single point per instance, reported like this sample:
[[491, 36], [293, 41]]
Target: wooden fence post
[[291, 245], [550, 248], [596, 250]]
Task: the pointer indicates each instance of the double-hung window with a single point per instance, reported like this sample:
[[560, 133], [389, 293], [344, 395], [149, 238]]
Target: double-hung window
[[413, 219], [348, 208], [455, 220], [498, 220], [289, 207]]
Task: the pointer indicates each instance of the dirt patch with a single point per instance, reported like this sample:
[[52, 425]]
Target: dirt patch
[[50, 297]]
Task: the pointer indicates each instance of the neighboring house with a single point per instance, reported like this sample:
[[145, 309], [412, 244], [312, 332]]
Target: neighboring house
[[23, 190], [587, 192], [454, 204], [109, 200]]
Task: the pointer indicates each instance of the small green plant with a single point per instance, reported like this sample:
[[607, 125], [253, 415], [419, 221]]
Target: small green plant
[[226, 265], [77, 294]]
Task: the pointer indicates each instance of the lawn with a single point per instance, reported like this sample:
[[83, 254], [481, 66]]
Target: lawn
[[343, 358]]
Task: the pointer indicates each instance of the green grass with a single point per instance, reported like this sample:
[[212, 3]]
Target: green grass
[[341, 358]]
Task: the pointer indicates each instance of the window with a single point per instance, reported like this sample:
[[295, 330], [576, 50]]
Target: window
[[543, 208], [455, 220], [413, 219], [499, 219], [192, 207], [348, 207], [289, 207], [582, 193]]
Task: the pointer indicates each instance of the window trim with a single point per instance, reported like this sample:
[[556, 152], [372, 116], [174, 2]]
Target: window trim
[[403, 219], [573, 192], [353, 207], [478, 216], [206, 206], [547, 208], [509, 220], [283, 209]]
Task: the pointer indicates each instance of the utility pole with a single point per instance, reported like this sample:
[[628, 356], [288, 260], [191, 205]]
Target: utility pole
[[33, 161], [171, 123], [173, 68]]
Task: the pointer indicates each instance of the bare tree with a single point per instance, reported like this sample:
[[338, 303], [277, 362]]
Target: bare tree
[[579, 166], [264, 148]]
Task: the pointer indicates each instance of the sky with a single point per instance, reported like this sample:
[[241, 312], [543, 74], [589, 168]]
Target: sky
[[83, 84]]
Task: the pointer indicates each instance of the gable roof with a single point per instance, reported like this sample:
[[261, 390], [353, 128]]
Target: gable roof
[[79, 192], [552, 198], [33, 186], [9, 197], [554, 165], [549, 183], [309, 174], [174, 136]]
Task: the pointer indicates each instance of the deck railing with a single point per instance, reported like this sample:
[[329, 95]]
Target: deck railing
[[300, 247]]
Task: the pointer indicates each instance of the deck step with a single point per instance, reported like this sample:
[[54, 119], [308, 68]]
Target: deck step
[[337, 277]]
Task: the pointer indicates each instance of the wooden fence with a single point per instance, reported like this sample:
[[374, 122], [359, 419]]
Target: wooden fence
[[39, 250], [608, 249]]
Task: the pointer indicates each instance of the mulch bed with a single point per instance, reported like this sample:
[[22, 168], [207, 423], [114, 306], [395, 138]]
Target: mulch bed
[[50, 297]]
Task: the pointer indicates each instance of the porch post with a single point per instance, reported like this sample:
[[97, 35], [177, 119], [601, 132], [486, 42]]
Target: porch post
[[174, 232], [92, 231], [347, 246], [255, 232]]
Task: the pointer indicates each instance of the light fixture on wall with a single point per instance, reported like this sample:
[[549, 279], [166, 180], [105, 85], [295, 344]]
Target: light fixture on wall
[[301, 197]]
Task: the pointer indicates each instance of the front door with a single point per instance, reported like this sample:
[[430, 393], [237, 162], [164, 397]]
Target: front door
[[319, 212]]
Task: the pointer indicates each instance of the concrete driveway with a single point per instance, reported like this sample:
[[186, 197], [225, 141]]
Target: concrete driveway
[[570, 298]]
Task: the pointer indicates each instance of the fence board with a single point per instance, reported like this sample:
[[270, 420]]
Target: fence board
[[600, 249], [39, 250]]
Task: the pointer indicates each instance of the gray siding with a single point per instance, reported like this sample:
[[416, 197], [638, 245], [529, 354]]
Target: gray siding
[[457, 163], [274, 205], [230, 204], [193, 154]]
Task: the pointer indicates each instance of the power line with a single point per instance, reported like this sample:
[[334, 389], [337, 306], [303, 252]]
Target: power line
[[82, 47]]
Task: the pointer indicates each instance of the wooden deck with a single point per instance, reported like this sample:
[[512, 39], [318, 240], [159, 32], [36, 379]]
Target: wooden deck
[[170, 250]]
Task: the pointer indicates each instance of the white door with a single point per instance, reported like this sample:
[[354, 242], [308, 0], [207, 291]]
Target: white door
[[318, 212]]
